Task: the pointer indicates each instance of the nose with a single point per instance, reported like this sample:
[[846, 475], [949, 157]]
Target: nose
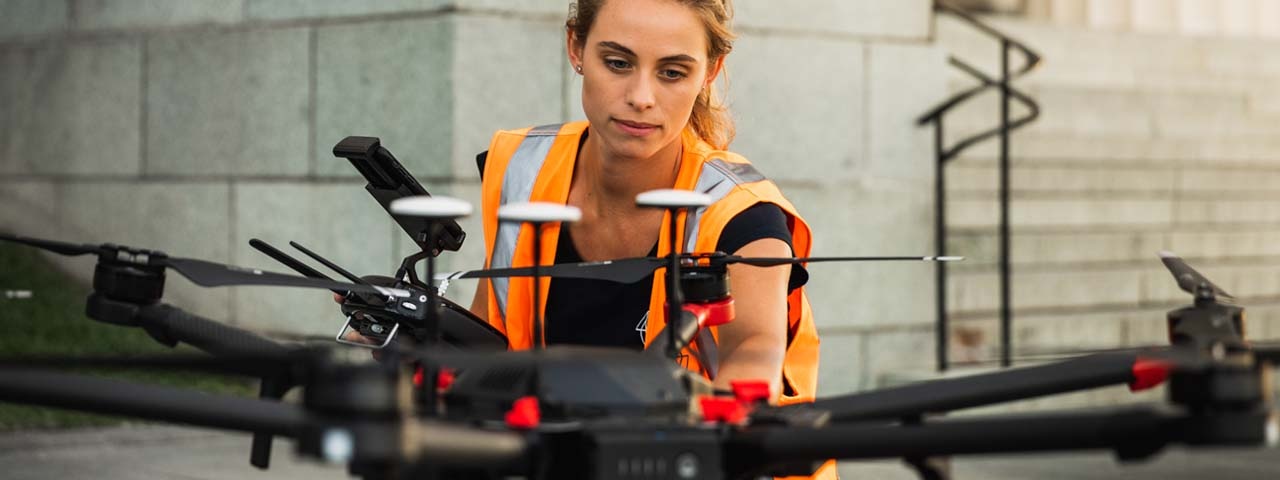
[[640, 94]]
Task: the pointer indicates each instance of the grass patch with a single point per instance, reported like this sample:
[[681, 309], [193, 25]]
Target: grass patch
[[52, 322]]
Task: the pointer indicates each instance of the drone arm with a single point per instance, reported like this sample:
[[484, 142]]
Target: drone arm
[[152, 402], [446, 444], [172, 323], [1006, 385], [1132, 433]]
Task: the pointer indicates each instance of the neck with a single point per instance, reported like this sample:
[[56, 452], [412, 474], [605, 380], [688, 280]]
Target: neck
[[613, 181]]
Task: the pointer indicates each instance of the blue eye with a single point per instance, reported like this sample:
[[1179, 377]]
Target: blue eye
[[616, 64], [672, 74]]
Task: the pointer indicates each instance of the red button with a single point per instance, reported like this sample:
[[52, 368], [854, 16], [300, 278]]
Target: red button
[[726, 410], [445, 379], [1148, 374], [750, 391], [524, 414]]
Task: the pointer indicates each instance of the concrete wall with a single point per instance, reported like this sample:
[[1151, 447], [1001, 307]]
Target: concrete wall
[[1246, 18], [193, 126]]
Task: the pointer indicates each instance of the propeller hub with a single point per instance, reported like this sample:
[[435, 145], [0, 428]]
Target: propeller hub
[[704, 284], [139, 284]]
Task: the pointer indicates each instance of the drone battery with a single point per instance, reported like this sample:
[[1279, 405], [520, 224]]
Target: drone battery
[[639, 453]]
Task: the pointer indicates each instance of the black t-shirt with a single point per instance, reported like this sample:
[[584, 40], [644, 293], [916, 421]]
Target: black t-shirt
[[603, 313]]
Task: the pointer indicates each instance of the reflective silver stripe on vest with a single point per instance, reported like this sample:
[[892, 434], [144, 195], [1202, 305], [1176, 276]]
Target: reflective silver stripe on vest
[[717, 178], [517, 186]]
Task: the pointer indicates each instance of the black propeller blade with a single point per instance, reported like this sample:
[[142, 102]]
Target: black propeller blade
[[771, 262], [631, 270], [210, 274], [1188, 278], [254, 366], [53, 246], [627, 270], [204, 273]]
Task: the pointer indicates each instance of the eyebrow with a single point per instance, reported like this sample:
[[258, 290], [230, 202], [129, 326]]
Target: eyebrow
[[670, 58]]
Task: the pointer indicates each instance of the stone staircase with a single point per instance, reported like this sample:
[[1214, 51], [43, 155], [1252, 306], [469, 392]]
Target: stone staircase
[[1146, 142]]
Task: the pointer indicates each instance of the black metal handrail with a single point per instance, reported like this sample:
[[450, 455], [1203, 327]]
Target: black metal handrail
[[935, 116]]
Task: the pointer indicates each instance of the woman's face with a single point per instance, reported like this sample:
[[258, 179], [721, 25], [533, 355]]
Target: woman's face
[[643, 64]]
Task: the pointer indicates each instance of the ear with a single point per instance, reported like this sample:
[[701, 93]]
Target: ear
[[573, 47], [713, 72]]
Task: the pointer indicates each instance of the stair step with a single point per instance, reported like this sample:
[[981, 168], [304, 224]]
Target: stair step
[[1092, 212], [1126, 123], [1123, 112], [1065, 149], [1072, 49], [1056, 335], [969, 181], [1052, 251], [977, 292], [1070, 99]]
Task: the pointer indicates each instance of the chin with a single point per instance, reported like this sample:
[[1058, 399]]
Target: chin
[[633, 147]]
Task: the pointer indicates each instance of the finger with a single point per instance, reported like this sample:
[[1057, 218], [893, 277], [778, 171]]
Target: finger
[[354, 336]]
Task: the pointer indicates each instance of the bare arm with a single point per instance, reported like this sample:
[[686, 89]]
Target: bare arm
[[752, 346], [480, 302]]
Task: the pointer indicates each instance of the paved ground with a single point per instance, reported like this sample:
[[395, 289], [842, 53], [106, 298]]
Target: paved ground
[[152, 452], [164, 452]]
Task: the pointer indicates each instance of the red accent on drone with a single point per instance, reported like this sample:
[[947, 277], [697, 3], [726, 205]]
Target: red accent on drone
[[712, 314], [524, 414], [417, 376], [1148, 374], [727, 410], [750, 391], [445, 379]]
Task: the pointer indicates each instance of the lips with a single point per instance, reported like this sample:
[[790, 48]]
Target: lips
[[636, 128]]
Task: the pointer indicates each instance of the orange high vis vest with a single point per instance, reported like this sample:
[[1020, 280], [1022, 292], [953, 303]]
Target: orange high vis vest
[[536, 164]]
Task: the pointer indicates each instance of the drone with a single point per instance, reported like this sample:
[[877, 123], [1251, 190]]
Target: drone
[[447, 400]]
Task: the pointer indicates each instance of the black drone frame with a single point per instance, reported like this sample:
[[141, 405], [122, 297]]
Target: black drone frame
[[361, 415], [616, 414]]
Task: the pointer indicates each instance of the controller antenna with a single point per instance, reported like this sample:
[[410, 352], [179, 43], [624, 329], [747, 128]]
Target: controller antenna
[[673, 201], [436, 210], [538, 214]]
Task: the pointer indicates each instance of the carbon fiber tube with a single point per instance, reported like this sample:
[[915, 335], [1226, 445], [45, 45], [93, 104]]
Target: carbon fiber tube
[[1006, 385], [464, 446], [151, 402], [213, 337], [1132, 432]]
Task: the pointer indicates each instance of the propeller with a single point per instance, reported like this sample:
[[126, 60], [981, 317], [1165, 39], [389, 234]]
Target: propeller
[[248, 365], [201, 272], [1188, 278], [631, 270]]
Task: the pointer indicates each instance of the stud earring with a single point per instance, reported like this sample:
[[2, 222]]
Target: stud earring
[[578, 68]]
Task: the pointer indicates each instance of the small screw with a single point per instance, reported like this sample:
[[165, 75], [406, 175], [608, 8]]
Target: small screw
[[422, 298], [687, 465], [337, 446]]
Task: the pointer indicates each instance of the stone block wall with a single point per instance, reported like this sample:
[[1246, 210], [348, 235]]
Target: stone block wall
[[1147, 141], [194, 126]]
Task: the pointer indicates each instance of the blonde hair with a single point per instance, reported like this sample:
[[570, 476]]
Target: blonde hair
[[710, 118]]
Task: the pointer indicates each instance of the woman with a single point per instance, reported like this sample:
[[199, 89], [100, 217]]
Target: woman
[[648, 68]]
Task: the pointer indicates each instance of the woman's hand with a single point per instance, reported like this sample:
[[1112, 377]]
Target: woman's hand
[[354, 336], [753, 345]]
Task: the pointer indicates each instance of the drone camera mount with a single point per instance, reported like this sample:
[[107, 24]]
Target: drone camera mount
[[389, 181]]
